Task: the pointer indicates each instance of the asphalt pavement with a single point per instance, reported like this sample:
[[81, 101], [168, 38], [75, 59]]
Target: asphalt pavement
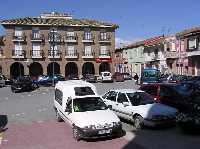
[[32, 124]]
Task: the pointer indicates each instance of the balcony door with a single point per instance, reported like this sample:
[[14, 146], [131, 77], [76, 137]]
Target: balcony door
[[18, 50], [103, 50], [54, 48], [87, 35], [71, 50], [88, 51], [70, 35], [36, 49], [36, 32], [18, 31]]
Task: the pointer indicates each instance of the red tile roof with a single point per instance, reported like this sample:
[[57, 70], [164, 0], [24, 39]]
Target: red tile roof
[[154, 41], [188, 31]]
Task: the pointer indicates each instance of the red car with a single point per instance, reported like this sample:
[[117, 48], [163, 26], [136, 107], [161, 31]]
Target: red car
[[118, 77], [170, 94]]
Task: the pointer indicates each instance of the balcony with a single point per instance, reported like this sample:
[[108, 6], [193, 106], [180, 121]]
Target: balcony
[[171, 54], [71, 54], [54, 37], [18, 54], [20, 38], [55, 54], [193, 52], [37, 37], [104, 39], [88, 38], [71, 39], [87, 54], [37, 53], [104, 54]]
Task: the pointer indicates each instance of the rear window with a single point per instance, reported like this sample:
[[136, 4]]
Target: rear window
[[106, 74], [82, 91]]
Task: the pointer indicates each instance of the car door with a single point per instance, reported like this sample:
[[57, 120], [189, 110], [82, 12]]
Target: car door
[[110, 99], [169, 96], [152, 90], [123, 106]]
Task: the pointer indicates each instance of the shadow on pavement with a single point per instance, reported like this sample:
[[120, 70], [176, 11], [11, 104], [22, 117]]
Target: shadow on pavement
[[3, 122]]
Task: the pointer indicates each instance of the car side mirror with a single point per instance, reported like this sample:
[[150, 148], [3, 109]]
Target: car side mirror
[[125, 104], [110, 107]]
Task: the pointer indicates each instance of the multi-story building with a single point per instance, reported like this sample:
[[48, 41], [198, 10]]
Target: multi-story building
[[175, 55], [136, 57], [154, 53], [55, 42], [2, 40], [121, 60], [191, 42]]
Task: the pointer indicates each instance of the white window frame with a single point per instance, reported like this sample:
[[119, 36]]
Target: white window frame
[[18, 49], [70, 50], [88, 50], [104, 50], [18, 32], [36, 49]]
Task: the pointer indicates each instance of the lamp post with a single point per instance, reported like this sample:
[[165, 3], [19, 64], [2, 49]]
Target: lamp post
[[52, 40]]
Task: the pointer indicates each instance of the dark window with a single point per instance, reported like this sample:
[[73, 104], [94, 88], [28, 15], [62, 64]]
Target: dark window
[[152, 90], [58, 96], [69, 106], [112, 96], [82, 91], [122, 98]]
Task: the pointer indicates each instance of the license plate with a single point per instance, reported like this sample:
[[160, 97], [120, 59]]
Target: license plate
[[105, 131]]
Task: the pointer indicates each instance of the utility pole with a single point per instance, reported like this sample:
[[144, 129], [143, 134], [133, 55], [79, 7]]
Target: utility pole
[[53, 43]]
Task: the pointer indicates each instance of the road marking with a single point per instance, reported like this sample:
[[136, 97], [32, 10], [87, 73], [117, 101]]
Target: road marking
[[2, 138], [6, 98], [29, 95]]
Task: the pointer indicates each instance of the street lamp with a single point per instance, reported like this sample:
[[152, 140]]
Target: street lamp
[[52, 40]]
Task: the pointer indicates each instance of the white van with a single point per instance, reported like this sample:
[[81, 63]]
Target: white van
[[78, 103], [106, 76]]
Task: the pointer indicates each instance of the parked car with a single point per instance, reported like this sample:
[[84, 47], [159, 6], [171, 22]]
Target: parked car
[[175, 95], [43, 80], [89, 78], [118, 77], [139, 107], [2, 81], [189, 119], [127, 76], [106, 76], [23, 83], [78, 103], [7, 80], [56, 78], [72, 77]]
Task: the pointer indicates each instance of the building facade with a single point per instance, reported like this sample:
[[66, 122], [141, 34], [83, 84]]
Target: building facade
[[136, 57], [154, 53], [121, 60], [191, 42], [55, 42]]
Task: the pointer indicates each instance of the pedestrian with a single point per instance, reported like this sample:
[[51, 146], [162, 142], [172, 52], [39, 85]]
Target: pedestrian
[[136, 78]]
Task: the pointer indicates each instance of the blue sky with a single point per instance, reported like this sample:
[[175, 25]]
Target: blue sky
[[138, 19]]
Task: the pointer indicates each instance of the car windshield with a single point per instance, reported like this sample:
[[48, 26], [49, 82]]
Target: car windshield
[[88, 104], [183, 89], [140, 98]]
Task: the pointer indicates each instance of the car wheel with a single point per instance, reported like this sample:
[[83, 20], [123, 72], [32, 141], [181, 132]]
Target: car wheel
[[76, 134], [138, 122], [58, 118]]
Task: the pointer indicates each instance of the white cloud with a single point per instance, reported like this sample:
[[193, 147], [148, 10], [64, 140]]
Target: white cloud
[[120, 42]]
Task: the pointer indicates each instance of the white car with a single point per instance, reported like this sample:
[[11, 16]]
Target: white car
[[78, 103], [139, 107], [106, 76]]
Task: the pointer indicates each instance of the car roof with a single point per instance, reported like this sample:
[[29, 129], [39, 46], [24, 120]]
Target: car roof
[[159, 84], [127, 90]]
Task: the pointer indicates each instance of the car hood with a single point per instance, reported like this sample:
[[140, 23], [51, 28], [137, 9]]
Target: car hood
[[99, 117], [150, 110]]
